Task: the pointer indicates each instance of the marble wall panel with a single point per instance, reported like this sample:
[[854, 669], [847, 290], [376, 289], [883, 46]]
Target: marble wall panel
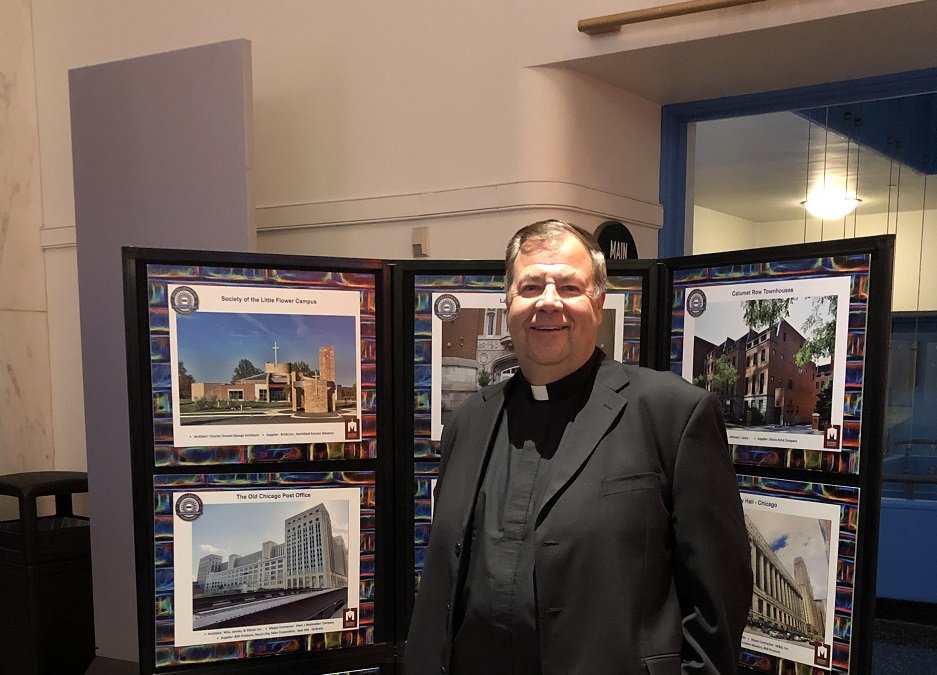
[[25, 382], [25, 408], [22, 282]]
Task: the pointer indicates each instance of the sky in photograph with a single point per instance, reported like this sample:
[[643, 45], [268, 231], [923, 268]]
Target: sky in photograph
[[793, 537], [724, 319], [210, 344], [242, 528]]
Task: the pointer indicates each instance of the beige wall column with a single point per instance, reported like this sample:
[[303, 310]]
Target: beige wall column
[[25, 383]]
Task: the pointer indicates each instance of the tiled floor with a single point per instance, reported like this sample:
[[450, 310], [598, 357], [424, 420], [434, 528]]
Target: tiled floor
[[902, 648]]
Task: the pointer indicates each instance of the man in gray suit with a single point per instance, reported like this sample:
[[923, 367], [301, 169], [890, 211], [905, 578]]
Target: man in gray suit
[[587, 518]]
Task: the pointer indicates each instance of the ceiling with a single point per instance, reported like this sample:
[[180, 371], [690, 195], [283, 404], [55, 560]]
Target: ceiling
[[759, 167], [862, 44]]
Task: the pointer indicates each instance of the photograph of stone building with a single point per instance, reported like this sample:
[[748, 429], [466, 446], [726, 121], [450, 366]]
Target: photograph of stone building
[[279, 581], [265, 562], [784, 605], [310, 557], [795, 544]]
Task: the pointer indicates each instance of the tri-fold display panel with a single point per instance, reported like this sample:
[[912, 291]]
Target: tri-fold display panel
[[286, 413]]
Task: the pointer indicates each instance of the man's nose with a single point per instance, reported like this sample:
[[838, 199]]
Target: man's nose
[[549, 299]]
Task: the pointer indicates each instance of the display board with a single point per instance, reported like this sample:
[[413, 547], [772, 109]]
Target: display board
[[262, 501], [286, 413], [785, 337]]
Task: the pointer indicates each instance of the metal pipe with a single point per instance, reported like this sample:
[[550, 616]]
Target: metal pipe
[[613, 22]]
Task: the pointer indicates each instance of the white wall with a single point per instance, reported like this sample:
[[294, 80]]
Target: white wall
[[714, 231], [915, 243]]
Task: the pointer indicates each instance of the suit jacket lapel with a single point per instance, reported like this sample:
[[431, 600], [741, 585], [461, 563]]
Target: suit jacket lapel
[[480, 439], [603, 407]]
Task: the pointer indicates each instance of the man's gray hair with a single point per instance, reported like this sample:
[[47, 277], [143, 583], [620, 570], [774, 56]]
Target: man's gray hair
[[545, 231]]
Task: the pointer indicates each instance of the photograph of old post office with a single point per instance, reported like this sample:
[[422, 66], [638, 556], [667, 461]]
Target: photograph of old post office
[[770, 362], [302, 576]]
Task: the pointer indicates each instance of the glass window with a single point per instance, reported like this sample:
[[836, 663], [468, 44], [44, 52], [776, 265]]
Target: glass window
[[909, 467]]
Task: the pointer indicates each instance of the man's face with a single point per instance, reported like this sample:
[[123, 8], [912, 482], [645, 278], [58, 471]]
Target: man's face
[[553, 309]]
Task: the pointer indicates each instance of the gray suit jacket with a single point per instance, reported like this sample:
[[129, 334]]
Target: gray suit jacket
[[642, 560]]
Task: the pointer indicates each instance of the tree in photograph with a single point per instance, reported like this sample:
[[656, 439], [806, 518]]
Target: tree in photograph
[[244, 369], [185, 382], [824, 405], [484, 377], [722, 384], [303, 368], [206, 402], [820, 331], [725, 375], [759, 314]]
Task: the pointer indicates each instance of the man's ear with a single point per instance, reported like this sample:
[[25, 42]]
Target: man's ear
[[599, 305]]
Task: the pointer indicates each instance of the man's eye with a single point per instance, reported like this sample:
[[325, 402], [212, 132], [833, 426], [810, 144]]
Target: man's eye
[[530, 288], [570, 289]]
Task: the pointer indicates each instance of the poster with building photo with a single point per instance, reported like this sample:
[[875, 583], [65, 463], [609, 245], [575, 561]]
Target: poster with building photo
[[260, 365], [794, 548], [471, 346], [774, 352], [265, 563]]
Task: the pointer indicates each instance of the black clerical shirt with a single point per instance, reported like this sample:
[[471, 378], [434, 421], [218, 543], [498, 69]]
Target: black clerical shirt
[[497, 613]]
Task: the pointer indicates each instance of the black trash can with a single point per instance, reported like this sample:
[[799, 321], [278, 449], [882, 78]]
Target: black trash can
[[47, 620]]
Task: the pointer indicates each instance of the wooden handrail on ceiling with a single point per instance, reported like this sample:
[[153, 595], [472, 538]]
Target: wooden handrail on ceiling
[[613, 22]]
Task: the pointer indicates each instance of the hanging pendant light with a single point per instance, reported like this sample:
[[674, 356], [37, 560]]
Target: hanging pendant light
[[829, 201], [831, 198]]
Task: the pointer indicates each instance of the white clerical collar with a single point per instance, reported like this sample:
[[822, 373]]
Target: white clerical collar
[[539, 392]]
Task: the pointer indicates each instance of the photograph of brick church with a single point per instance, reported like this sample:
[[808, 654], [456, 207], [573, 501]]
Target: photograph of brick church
[[234, 368]]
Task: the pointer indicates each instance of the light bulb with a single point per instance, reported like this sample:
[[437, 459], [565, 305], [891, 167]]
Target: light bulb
[[830, 202]]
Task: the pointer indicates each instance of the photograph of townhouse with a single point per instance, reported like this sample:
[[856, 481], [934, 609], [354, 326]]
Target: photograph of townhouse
[[472, 347], [249, 367], [266, 563], [793, 551], [774, 353]]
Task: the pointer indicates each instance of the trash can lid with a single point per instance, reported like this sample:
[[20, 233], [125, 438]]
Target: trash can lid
[[38, 483]]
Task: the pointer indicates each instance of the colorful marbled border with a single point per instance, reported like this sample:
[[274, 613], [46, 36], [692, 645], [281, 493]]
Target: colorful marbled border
[[424, 476], [168, 655], [847, 498], [856, 267], [165, 454]]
